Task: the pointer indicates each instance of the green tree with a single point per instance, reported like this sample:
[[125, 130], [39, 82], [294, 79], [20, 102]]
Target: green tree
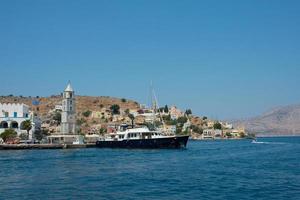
[[115, 109], [57, 117], [218, 126], [166, 109], [131, 117], [23, 136], [228, 134], [127, 111], [166, 118], [242, 134], [204, 118], [182, 120], [188, 112], [178, 130], [196, 129], [87, 113], [102, 131], [172, 122], [124, 100], [80, 121], [161, 109], [41, 133], [26, 125], [8, 134]]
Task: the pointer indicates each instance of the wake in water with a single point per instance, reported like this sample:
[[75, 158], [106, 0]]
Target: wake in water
[[256, 142]]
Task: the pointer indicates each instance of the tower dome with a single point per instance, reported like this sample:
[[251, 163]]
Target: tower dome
[[69, 87]]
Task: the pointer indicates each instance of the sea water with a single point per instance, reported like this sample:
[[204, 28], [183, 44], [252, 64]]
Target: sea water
[[231, 169]]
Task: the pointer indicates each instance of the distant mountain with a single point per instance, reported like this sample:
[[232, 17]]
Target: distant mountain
[[283, 120]]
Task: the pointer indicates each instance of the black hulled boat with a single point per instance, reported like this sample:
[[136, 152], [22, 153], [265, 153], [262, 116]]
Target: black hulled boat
[[142, 138]]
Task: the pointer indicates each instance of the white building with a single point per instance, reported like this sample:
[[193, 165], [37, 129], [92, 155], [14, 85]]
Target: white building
[[68, 116], [13, 116], [68, 134], [212, 133], [208, 134], [186, 125]]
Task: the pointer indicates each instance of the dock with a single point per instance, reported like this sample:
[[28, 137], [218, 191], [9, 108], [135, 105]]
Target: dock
[[44, 146]]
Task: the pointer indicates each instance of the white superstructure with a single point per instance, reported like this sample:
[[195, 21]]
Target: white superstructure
[[125, 133]]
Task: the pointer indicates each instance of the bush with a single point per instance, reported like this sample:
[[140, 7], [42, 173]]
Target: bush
[[80, 121], [228, 134], [124, 100], [188, 112], [196, 129], [23, 136], [57, 117], [87, 113], [8, 134], [166, 109], [166, 118], [242, 135], [115, 109], [217, 126], [178, 130], [182, 120], [40, 134], [102, 131]]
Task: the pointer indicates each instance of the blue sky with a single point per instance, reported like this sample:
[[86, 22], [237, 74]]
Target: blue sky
[[222, 59]]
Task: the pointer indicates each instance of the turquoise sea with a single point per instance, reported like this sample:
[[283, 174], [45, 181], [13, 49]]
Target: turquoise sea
[[233, 169]]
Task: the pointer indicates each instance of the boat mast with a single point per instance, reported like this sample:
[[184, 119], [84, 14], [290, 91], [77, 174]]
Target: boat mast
[[155, 106]]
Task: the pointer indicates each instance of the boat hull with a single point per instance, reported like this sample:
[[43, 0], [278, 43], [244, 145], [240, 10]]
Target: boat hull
[[157, 143]]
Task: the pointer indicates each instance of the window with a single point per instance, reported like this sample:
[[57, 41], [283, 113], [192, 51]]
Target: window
[[6, 114], [71, 108], [26, 115], [15, 114]]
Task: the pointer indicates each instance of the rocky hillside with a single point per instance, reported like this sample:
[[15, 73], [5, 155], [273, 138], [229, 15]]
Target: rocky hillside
[[279, 121], [83, 103]]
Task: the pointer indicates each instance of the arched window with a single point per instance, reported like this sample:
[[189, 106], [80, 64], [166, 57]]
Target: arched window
[[3, 124], [14, 124]]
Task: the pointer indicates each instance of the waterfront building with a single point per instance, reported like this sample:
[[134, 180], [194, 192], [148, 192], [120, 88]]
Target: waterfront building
[[208, 134], [212, 133], [13, 116]]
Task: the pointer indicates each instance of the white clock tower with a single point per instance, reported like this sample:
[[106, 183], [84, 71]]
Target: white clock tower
[[68, 116]]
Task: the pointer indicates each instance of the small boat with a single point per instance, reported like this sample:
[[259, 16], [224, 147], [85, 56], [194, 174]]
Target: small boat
[[141, 138]]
